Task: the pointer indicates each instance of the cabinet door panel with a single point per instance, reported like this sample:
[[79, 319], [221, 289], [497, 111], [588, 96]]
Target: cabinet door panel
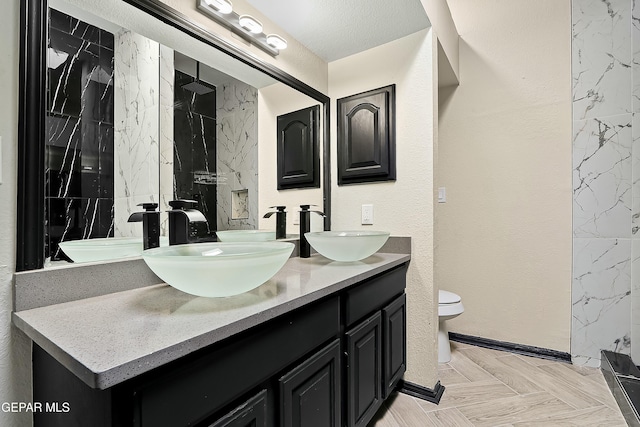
[[310, 393], [395, 353], [364, 370], [252, 413]]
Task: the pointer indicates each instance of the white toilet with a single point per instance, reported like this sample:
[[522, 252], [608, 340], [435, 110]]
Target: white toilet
[[449, 306]]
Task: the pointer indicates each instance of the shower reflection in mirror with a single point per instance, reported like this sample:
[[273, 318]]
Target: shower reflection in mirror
[[131, 121]]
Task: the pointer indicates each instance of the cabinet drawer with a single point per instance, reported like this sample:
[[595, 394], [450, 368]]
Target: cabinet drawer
[[252, 413], [196, 388], [372, 295], [310, 393]]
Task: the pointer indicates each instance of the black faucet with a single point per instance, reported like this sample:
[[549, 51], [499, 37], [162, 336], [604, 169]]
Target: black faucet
[[183, 220], [150, 219], [305, 227], [281, 220]]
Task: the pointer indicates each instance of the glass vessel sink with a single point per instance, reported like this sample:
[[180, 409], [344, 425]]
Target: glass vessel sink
[[246, 235], [91, 250], [347, 246], [218, 269]]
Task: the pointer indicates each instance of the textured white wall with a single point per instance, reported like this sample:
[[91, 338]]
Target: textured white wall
[[15, 348], [503, 238], [403, 207]]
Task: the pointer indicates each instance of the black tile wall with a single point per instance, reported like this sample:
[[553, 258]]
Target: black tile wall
[[79, 152], [195, 147]]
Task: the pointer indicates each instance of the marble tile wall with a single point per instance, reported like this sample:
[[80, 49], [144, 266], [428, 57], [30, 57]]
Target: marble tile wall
[[80, 132], [237, 153], [606, 197], [194, 146], [137, 106]]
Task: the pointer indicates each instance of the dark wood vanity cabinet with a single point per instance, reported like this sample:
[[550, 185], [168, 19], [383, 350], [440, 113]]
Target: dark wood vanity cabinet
[[375, 346], [329, 363]]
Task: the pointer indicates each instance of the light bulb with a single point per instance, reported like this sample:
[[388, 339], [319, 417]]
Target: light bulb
[[276, 41], [250, 24]]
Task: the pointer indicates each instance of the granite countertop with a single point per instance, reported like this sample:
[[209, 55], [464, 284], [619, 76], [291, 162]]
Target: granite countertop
[[108, 339]]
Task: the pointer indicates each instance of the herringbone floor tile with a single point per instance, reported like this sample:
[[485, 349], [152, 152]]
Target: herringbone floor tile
[[498, 389]]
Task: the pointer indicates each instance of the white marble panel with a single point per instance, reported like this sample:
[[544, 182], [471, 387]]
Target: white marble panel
[[636, 55], [136, 128], [635, 299], [635, 176], [237, 152], [601, 58], [601, 298], [167, 83], [602, 167]]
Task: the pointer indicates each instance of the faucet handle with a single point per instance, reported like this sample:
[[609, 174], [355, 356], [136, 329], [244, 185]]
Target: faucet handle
[[148, 207], [183, 204], [304, 208]]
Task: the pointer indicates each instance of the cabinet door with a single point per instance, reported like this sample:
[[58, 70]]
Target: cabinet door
[[310, 393], [364, 370], [252, 413], [395, 338]]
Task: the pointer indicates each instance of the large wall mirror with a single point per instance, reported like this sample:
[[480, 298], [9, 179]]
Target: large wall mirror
[[129, 102]]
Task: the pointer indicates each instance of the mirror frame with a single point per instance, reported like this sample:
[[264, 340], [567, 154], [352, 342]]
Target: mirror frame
[[32, 115]]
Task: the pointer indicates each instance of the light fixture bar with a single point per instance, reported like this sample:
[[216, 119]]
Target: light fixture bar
[[232, 22]]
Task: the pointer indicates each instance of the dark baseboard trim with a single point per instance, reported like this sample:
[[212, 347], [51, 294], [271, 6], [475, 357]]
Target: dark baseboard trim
[[430, 395], [526, 350]]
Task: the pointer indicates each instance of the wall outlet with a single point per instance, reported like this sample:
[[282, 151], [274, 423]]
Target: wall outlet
[[367, 214]]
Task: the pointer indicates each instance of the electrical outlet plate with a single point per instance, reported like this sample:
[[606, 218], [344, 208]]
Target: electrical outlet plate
[[367, 214]]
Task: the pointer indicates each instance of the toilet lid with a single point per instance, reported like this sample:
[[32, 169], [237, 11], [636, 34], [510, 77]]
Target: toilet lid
[[446, 297]]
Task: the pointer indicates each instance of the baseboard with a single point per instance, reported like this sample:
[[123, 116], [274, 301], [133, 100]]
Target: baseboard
[[421, 392], [526, 350]]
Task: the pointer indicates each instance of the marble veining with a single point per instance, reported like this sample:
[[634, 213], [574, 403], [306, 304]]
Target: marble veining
[[137, 127], [606, 177], [602, 58], [601, 298], [602, 177], [237, 154], [79, 125]]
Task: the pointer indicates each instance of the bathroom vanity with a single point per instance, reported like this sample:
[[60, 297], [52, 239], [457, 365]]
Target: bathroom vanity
[[320, 344]]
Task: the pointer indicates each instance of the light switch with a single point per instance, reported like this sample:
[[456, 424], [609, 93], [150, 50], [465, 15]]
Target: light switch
[[0, 160], [442, 195], [367, 214]]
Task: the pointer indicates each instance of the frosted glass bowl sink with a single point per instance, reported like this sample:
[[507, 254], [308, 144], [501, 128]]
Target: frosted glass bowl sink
[[246, 235], [91, 250], [347, 246], [218, 269]]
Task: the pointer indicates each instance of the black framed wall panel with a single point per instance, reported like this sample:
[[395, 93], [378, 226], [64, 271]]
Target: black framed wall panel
[[298, 149], [366, 137]]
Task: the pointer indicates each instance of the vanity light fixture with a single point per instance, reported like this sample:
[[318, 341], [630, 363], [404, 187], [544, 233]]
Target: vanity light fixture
[[276, 41], [245, 26], [250, 24], [223, 6]]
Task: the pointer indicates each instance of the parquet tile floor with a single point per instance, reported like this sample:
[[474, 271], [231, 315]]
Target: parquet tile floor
[[498, 389]]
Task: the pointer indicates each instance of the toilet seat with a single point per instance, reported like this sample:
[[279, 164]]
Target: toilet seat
[[449, 305], [446, 297]]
